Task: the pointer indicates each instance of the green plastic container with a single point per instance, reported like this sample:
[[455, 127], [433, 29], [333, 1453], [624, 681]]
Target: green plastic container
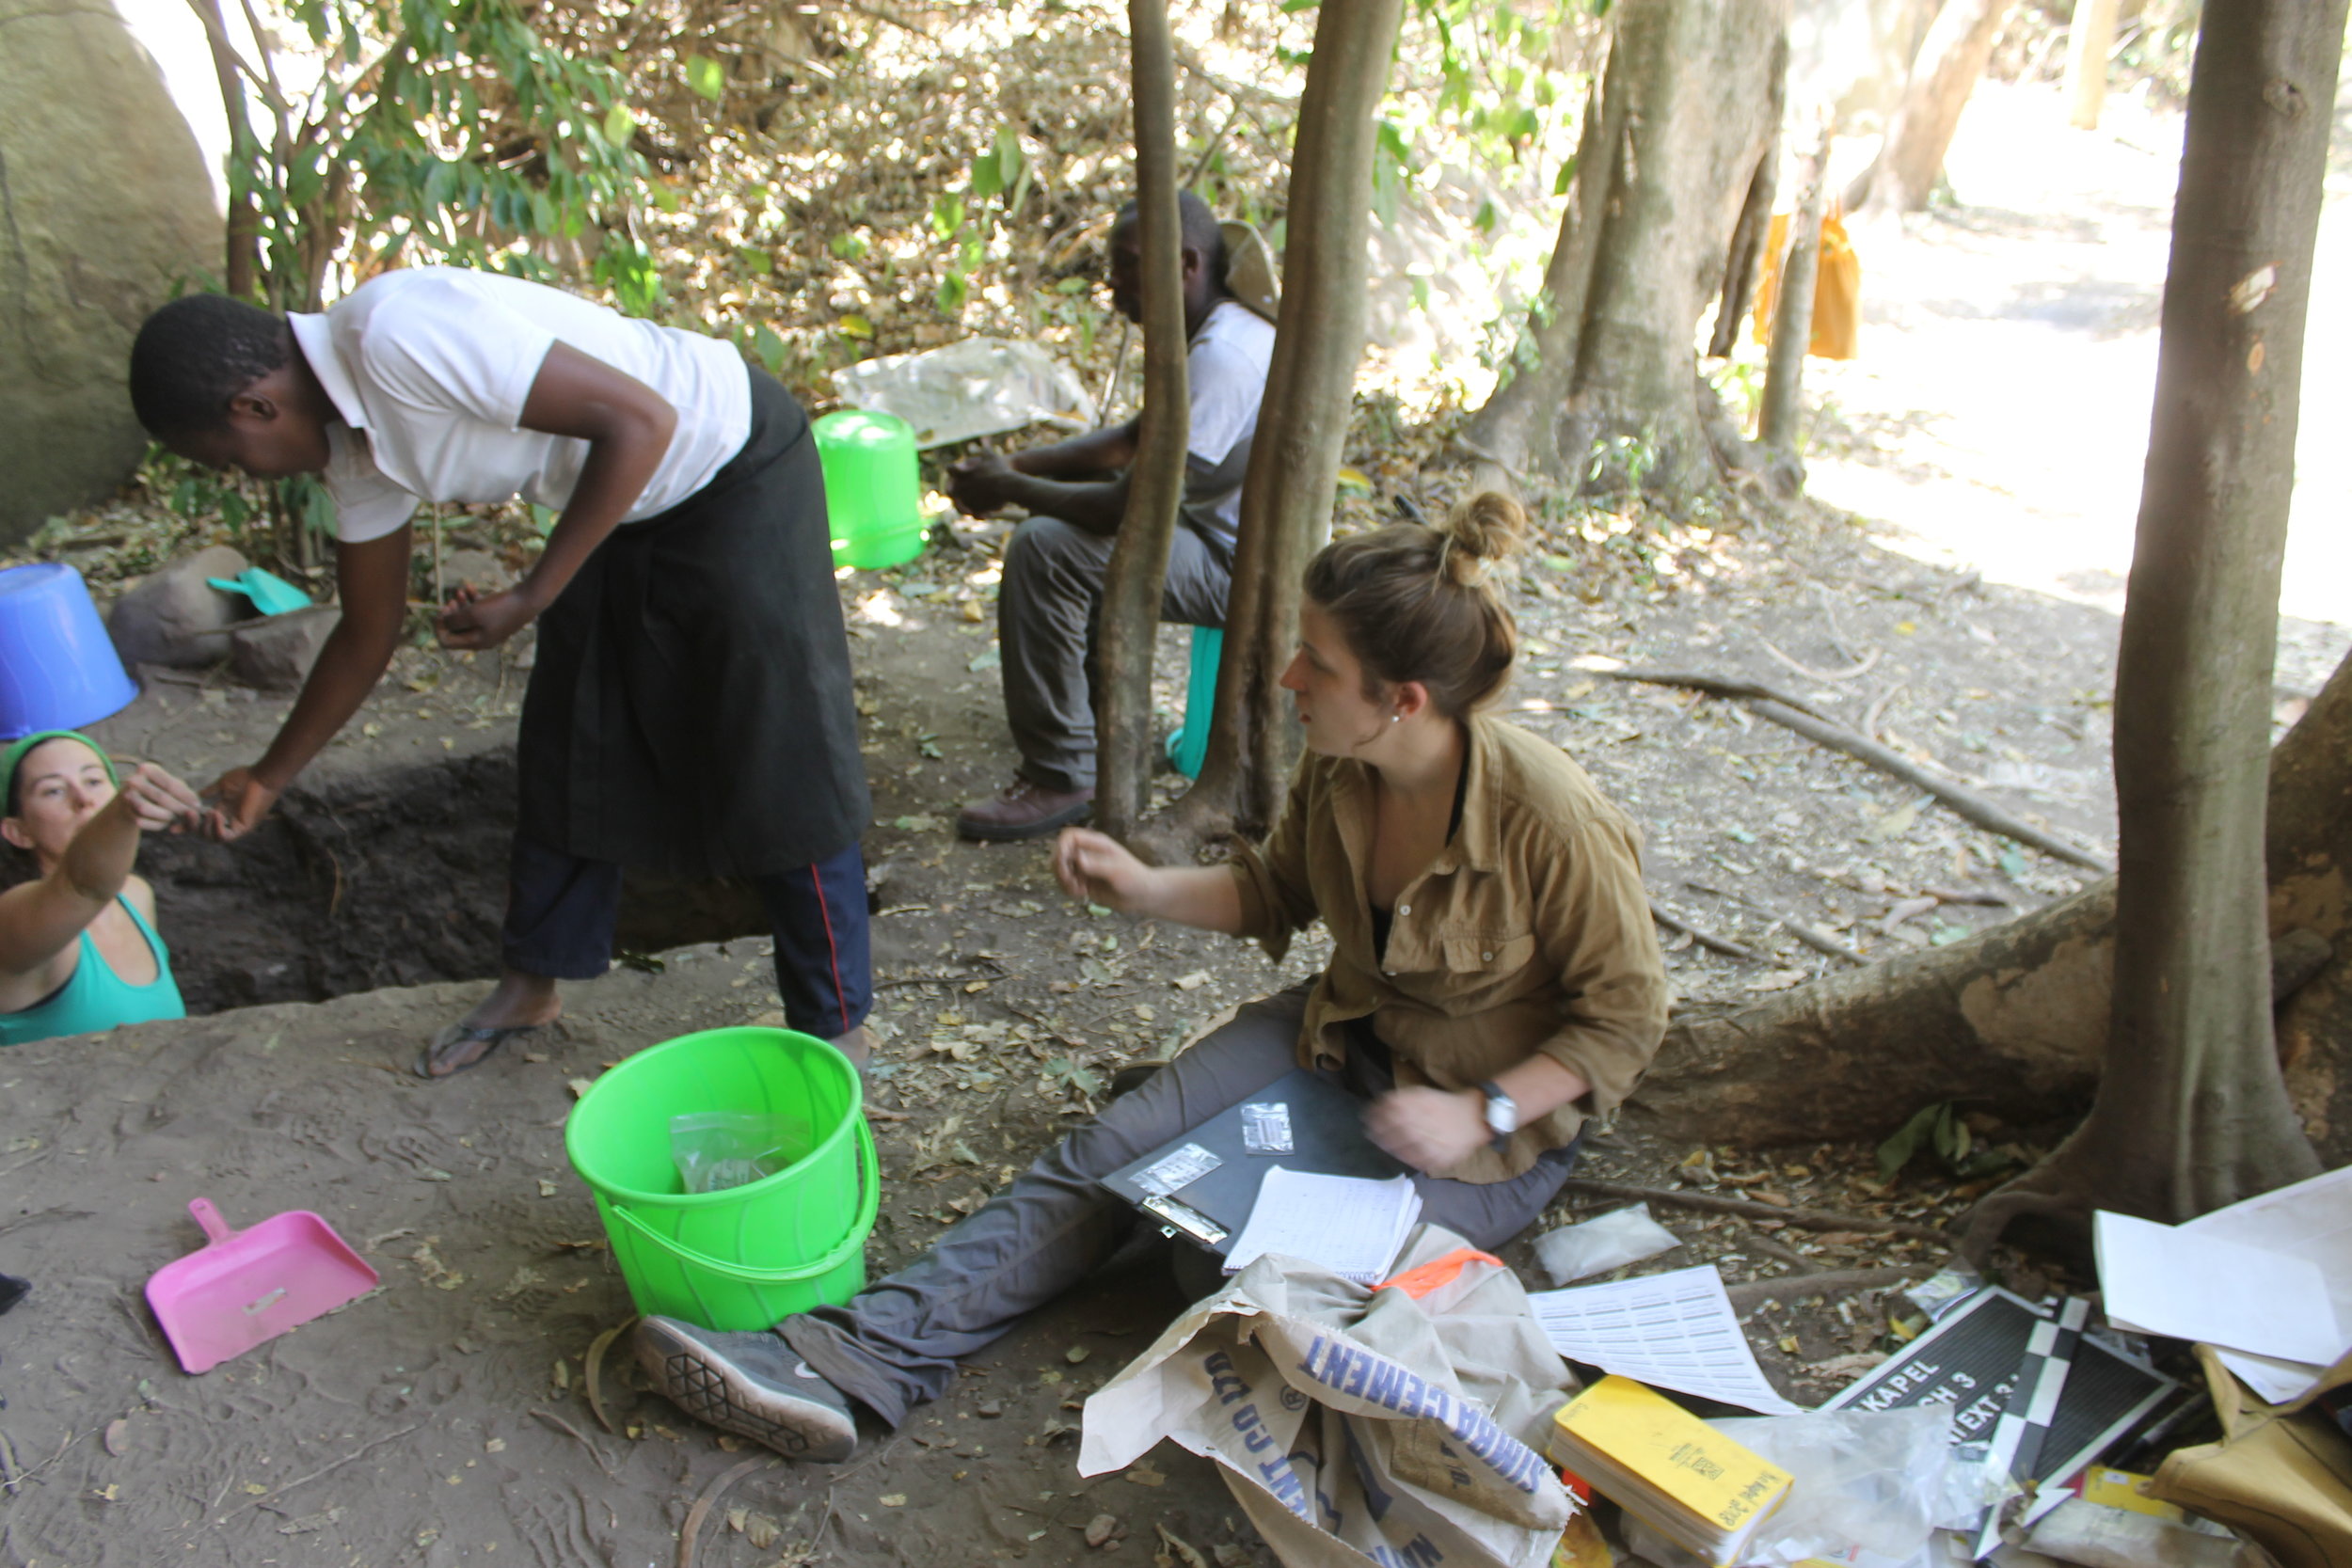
[[1189, 742], [873, 487], [748, 1257]]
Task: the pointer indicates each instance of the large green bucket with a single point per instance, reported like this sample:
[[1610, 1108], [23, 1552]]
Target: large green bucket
[[748, 1257]]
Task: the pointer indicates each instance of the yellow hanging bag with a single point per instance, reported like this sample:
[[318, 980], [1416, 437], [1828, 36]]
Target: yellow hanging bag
[[1836, 289]]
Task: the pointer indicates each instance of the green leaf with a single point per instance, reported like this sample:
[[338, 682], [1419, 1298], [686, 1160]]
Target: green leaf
[[855, 326], [768, 347], [946, 214], [953, 290], [986, 177], [1567, 181], [706, 77], [848, 247], [1011, 163], [1896, 1152], [619, 125], [756, 259]]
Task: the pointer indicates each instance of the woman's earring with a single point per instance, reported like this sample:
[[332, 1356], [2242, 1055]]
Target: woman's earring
[[1396, 718]]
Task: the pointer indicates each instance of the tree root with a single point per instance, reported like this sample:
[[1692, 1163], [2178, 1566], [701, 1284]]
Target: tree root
[[1827, 1282], [1806, 1219]]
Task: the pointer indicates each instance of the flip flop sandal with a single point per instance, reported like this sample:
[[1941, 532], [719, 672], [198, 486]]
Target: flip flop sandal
[[465, 1045]]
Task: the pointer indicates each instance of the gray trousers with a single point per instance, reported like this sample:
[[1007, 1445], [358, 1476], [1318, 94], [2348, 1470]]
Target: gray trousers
[[897, 1343], [1045, 614]]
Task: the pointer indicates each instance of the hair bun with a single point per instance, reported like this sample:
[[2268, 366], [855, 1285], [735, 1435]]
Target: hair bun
[[1479, 532]]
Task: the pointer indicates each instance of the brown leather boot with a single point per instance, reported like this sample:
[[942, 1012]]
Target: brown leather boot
[[1024, 810]]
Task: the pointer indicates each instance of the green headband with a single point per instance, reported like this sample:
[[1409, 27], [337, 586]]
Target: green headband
[[19, 749]]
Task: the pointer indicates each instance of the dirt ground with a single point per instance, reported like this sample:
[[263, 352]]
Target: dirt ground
[[445, 1419]]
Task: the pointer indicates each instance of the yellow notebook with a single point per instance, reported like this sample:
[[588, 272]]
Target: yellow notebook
[[1662, 1448]]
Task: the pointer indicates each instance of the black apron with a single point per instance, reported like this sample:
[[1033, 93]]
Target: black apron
[[691, 709]]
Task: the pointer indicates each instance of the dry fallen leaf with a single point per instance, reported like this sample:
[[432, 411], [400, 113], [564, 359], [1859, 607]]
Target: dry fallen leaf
[[1144, 1475], [893, 1499]]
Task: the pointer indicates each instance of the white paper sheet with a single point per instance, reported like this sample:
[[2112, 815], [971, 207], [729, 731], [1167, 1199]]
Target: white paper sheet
[[2312, 1220], [2194, 1285], [1351, 1225], [1674, 1330]]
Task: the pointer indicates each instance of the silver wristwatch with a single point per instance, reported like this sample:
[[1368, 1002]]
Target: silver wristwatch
[[1502, 1112]]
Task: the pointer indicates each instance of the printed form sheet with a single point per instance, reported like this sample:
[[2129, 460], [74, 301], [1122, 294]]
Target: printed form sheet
[[1672, 1330]]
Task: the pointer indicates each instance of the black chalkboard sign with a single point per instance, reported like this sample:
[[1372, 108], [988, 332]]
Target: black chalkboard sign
[[1976, 1355]]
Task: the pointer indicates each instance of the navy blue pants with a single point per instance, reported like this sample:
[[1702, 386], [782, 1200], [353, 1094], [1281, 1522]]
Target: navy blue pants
[[560, 912]]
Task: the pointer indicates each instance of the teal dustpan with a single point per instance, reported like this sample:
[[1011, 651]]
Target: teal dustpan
[[271, 594]]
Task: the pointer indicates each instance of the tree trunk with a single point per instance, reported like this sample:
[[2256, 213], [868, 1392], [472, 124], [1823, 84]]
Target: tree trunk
[[1951, 58], [1519, 426], [1777, 423], [2088, 44], [2191, 1111], [240, 259], [1684, 119], [1295, 460], [1130, 614], [2015, 1020], [1749, 235]]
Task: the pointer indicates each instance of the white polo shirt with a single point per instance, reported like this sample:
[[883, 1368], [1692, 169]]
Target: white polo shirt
[[1226, 369], [430, 367]]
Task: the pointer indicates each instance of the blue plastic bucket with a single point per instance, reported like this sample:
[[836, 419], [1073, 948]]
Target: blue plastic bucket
[[58, 670]]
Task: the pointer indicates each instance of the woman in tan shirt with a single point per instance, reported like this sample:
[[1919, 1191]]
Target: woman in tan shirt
[[1494, 981]]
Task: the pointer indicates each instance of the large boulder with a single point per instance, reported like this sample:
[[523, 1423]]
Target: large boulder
[[175, 616], [104, 208], [277, 655]]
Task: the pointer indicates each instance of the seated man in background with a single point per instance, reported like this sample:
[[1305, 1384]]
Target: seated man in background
[[1055, 561]]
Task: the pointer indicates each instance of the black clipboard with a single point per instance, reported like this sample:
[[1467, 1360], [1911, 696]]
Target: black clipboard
[[1326, 1138]]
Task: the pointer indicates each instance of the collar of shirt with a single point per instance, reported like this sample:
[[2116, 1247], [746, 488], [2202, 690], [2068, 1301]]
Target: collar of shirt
[[316, 341]]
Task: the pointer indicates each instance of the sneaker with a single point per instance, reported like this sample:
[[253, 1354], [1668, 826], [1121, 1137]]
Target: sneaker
[[751, 1385], [1025, 810]]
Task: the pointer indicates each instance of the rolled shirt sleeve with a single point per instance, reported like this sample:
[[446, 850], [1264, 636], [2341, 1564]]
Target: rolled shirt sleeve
[[1594, 914], [1276, 898]]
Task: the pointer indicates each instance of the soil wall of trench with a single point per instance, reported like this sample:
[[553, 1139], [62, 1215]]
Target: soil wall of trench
[[394, 878]]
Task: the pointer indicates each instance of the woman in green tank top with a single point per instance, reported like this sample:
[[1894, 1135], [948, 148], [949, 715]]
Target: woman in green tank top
[[78, 948]]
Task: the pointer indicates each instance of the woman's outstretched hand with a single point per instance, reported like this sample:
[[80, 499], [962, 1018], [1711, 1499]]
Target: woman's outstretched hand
[[161, 802], [1097, 868], [1430, 1129]]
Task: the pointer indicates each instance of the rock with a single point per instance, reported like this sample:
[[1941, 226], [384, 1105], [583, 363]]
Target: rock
[[1101, 1528], [105, 206], [277, 655], [164, 619], [480, 568]]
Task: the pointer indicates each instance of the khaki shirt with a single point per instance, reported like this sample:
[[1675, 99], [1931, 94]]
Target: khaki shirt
[[1530, 932]]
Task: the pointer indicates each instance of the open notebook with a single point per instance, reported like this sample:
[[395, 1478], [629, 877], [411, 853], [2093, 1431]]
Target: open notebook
[[1351, 1226]]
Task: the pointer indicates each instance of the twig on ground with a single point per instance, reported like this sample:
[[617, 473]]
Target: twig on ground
[[1705, 939], [1812, 936], [323, 1469], [1791, 713], [1715, 686], [704, 1504], [1807, 1219], [1829, 1282], [1877, 711], [1862, 666], [1975, 807], [560, 1424]]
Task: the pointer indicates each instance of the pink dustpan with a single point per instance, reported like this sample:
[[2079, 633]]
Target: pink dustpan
[[248, 1286]]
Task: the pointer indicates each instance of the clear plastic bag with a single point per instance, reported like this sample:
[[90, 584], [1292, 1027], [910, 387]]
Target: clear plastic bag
[[1867, 1481], [718, 1149], [1620, 1237]]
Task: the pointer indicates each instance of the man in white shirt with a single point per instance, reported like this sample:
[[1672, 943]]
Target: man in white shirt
[[689, 709], [1055, 561]]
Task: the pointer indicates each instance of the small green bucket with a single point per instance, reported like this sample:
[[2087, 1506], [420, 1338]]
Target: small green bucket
[[749, 1257], [873, 487]]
